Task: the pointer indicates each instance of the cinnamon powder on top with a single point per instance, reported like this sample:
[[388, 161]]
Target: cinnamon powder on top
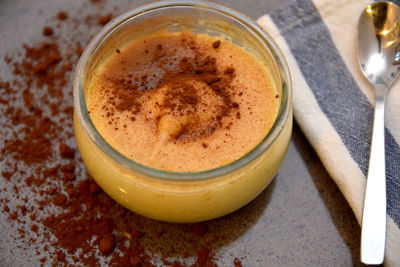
[[177, 71]]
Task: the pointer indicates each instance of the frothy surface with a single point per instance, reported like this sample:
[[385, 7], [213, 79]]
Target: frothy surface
[[182, 102]]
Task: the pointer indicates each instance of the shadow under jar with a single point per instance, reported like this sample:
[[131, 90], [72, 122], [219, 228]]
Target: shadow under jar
[[202, 193]]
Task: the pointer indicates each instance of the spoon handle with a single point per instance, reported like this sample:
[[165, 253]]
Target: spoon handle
[[373, 231]]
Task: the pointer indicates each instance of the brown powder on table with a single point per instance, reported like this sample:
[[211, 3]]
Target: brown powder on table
[[62, 15], [69, 213], [47, 31]]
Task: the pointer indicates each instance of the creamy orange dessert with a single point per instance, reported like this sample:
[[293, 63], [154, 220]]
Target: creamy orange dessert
[[182, 102]]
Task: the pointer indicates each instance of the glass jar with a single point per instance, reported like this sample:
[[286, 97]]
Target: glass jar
[[178, 196]]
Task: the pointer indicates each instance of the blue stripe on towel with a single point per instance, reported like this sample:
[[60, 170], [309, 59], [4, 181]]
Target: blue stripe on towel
[[393, 177], [393, 172], [338, 95]]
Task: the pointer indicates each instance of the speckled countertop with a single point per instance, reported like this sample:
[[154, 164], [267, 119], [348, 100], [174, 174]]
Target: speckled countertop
[[301, 219]]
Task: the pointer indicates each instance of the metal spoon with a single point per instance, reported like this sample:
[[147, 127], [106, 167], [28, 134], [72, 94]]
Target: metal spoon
[[379, 57]]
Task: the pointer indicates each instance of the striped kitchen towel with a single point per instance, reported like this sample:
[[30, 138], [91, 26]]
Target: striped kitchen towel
[[333, 102]]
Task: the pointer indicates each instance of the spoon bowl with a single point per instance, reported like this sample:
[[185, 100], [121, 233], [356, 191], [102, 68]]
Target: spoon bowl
[[378, 43], [379, 57]]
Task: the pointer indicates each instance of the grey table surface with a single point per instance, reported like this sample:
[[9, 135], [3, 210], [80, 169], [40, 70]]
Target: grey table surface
[[301, 219]]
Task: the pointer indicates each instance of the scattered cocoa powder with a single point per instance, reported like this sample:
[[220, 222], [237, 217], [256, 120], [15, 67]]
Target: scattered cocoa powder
[[94, 188], [199, 229], [47, 31], [107, 243], [216, 44], [229, 70], [134, 261], [103, 20], [66, 151], [62, 15], [237, 262]]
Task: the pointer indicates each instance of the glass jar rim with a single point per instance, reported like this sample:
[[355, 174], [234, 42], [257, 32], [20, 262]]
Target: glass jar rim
[[253, 27]]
